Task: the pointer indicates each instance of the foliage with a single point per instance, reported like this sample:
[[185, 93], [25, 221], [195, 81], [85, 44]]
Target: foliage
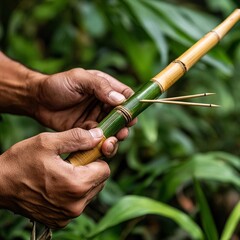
[[171, 145]]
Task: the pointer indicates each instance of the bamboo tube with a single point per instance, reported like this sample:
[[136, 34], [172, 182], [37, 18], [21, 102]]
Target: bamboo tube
[[123, 114]]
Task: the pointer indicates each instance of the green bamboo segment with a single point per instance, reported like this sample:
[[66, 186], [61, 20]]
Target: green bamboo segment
[[150, 90], [111, 124], [122, 115]]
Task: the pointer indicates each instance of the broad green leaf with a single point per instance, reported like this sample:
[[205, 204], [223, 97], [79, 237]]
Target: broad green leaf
[[208, 224], [225, 6], [156, 17], [146, 18], [180, 20], [223, 66], [183, 145], [155, 21], [94, 22], [140, 54], [133, 159], [149, 125], [226, 157], [200, 166], [131, 207], [231, 223], [48, 10]]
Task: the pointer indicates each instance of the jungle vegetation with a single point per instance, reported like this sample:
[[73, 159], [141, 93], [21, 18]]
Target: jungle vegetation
[[177, 176]]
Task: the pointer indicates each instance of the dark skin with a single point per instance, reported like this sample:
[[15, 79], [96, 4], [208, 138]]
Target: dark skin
[[34, 180]]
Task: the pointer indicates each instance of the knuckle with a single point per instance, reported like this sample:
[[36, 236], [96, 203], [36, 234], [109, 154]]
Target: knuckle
[[60, 224], [75, 210], [76, 71], [107, 170], [42, 140], [75, 189], [103, 84], [80, 136], [76, 134]]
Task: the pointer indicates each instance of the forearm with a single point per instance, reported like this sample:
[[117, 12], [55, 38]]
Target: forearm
[[16, 92]]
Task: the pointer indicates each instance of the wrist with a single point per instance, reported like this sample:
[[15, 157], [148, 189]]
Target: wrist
[[17, 87]]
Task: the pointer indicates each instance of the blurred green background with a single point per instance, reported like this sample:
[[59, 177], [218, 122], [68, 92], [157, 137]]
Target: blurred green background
[[177, 176]]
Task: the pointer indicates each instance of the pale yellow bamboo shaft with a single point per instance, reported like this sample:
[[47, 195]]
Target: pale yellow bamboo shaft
[[86, 157], [177, 68]]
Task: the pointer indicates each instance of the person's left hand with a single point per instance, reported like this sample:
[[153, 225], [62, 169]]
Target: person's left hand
[[77, 98]]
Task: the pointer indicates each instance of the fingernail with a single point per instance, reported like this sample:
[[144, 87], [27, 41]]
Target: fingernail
[[96, 132], [111, 148], [116, 97]]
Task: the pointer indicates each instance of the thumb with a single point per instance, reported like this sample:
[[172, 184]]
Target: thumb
[[102, 89], [104, 92], [76, 139]]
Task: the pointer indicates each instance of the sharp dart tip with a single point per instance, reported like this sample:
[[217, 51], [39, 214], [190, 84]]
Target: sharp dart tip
[[208, 94], [214, 105]]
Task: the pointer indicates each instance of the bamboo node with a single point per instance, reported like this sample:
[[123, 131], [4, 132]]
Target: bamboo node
[[217, 35], [125, 113], [182, 64], [159, 84]]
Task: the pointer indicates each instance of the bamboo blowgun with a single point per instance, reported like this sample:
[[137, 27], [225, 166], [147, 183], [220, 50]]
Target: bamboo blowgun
[[121, 115]]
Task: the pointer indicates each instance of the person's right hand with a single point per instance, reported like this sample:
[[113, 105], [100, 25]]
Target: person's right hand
[[37, 183]]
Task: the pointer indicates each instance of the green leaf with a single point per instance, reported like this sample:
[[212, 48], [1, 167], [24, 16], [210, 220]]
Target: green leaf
[[226, 157], [136, 51], [180, 21], [131, 207], [48, 10], [149, 125], [200, 166], [94, 22], [146, 18], [205, 213], [231, 224]]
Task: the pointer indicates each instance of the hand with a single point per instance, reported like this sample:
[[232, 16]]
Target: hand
[[77, 98], [37, 183]]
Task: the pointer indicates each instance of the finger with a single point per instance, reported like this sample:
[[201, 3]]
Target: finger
[[116, 85], [72, 140], [133, 122], [122, 134], [89, 176], [110, 147], [97, 85], [78, 205], [93, 193]]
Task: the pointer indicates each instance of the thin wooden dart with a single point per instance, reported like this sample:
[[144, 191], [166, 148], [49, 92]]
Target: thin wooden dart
[[181, 103], [187, 96]]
